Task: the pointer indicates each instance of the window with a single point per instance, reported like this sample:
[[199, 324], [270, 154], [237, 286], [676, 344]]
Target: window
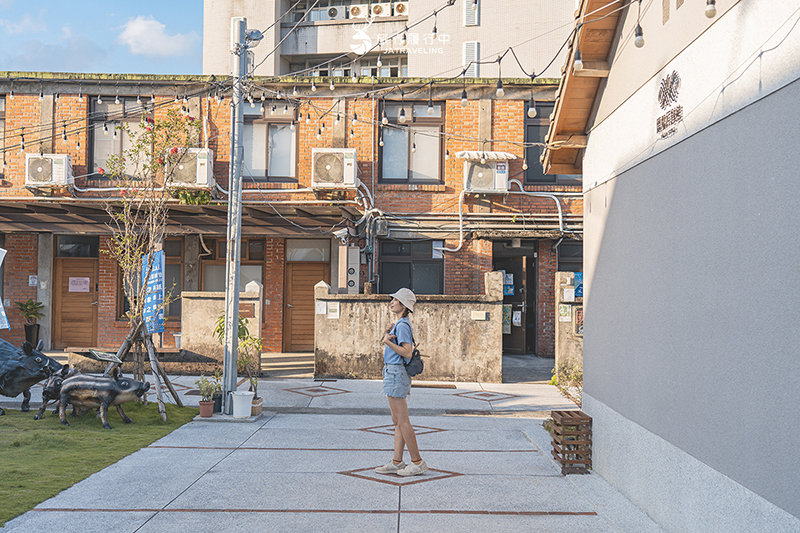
[[319, 11], [415, 265], [252, 264], [2, 137], [535, 132], [391, 66], [173, 281], [107, 138], [570, 256], [412, 148], [471, 55], [77, 246], [270, 142]]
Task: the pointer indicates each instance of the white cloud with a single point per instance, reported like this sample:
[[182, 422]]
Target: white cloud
[[146, 36], [25, 24]]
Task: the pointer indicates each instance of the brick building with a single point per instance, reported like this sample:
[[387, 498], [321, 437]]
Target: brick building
[[406, 216]]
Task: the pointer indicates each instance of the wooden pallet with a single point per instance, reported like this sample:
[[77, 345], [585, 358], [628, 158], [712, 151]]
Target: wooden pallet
[[572, 441]]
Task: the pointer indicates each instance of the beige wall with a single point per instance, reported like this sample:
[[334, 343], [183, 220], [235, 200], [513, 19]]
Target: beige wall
[[458, 347], [569, 345]]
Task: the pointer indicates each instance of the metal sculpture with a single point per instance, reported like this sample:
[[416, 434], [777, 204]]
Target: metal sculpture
[[51, 390], [21, 368], [85, 391]]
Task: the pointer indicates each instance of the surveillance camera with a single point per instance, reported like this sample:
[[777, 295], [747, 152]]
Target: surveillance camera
[[341, 234]]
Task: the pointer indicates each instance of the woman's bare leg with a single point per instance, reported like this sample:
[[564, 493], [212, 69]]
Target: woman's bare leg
[[403, 431]]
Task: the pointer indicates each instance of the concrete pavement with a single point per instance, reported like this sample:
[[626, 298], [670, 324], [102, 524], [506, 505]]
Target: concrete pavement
[[306, 464]]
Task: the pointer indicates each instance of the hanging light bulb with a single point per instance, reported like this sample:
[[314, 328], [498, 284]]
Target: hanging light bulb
[[263, 96], [313, 85], [291, 126], [261, 108], [115, 134], [431, 111], [355, 75], [447, 154], [332, 87], [379, 63], [352, 133], [285, 109], [639, 36], [323, 126], [78, 144], [578, 64], [336, 122], [434, 32], [711, 8], [80, 96], [308, 118], [531, 108], [404, 40], [272, 111], [355, 118], [184, 99], [500, 92], [11, 95], [483, 160], [414, 147], [176, 97], [380, 140], [294, 91], [384, 118], [138, 99], [319, 134], [41, 96], [474, 5], [116, 100], [464, 100], [402, 117], [64, 137], [99, 99], [105, 128], [524, 164], [56, 96], [249, 99]]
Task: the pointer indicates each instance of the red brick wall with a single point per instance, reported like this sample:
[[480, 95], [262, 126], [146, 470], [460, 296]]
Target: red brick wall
[[20, 262], [547, 264], [272, 329]]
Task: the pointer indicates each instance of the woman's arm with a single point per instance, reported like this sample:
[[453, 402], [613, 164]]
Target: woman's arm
[[404, 349]]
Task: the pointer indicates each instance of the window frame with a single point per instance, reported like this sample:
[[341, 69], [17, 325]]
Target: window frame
[[542, 121], [411, 259], [218, 247], [268, 119], [97, 118], [168, 260], [420, 120]]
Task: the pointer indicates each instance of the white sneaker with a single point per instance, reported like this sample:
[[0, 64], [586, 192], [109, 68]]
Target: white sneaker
[[390, 468], [413, 470]]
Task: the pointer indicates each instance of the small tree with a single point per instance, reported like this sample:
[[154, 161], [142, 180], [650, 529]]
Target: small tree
[[249, 357]]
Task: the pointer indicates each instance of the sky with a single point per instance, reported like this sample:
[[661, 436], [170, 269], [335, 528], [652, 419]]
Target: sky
[[136, 37]]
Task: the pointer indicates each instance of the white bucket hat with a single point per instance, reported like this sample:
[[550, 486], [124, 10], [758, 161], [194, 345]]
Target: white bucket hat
[[405, 297]]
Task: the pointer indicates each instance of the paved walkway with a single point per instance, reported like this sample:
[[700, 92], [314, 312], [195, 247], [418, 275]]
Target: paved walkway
[[306, 464]]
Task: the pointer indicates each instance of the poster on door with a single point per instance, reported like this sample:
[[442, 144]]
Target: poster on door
[[153, 313], [506, 319]]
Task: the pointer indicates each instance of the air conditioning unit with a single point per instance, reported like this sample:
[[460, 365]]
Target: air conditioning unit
[[383, 9], [359, 11], [48, 170], [400, 9], [333, 168], [194, 169], [489, 177], [337, 12]]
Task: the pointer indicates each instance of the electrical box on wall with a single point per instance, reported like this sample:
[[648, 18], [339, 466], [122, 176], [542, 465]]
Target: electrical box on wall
[[353, 269]]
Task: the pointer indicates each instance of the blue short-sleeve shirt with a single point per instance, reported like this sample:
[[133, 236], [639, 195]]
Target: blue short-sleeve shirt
[[402, 328]]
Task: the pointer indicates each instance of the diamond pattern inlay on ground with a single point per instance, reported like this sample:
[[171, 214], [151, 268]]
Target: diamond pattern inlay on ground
[[369, 474], [389, 430], [486, 396], [315, 392]]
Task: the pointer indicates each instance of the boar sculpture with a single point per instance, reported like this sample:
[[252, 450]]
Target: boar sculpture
[[21, 368], [51, 391], [85, 391]]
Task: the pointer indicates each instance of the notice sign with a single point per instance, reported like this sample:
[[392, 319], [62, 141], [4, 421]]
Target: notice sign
[[154, 298], [79, 284]]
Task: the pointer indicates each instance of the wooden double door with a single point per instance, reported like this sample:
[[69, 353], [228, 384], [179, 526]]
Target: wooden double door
[[75, 302], [298, 314]]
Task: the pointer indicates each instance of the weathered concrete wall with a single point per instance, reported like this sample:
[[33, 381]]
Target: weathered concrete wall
[[569, 310], [200, 312], [459, 347]]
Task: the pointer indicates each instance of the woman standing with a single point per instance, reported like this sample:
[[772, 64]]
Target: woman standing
[[398, 342]]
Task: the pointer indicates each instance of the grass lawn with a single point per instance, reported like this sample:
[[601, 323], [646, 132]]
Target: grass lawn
[[40, 458]]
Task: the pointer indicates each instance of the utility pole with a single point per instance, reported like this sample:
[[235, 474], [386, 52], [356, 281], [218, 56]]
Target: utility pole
[[241, 42]]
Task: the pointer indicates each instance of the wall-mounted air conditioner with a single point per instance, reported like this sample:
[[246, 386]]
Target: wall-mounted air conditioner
[[489, 177], [337, 12], [400, 9], [48, 170], [193, 168], [383, 9], [359, 11], [333, 168]]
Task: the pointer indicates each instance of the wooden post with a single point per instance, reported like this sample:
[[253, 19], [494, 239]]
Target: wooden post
[[151, 352]]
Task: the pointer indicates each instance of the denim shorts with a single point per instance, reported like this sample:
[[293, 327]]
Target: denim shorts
[[396, 381]]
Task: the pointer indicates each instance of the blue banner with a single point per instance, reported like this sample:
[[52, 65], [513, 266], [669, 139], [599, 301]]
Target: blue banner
[[3, 317], [153, 313], [578, 284]]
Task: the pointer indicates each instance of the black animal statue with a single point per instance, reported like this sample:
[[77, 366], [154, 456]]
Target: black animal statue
[[85, 391], [51, 390], [21, 368]]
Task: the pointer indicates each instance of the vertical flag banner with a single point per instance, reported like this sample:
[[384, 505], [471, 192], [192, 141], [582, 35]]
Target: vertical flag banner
[[3, 318], [153, 310]]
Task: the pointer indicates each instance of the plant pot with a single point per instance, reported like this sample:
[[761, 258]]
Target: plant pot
[[206, 409], [241, 403], [217, 397], [32, 334], [255, 407]]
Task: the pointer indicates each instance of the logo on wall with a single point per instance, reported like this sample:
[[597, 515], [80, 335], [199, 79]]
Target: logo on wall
[[667, 124], [363, 42]]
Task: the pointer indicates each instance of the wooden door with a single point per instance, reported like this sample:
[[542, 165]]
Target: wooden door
[[514, 342], [75, 302], [298, 317]]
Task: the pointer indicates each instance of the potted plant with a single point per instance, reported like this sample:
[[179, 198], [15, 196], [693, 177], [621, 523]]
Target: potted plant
[[217, 397], [249, 358], [207, 388], [31, 311]]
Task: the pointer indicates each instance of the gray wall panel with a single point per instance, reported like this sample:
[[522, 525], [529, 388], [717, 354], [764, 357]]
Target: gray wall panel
[[691, 318]]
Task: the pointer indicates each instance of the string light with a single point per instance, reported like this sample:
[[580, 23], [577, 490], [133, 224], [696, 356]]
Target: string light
[[313, 85], [285, 109], [711, 8], [99, 99], [336, 122], [434, 32], [431, 111], [105, 128], [474, 5], [578, 64], [294, 91], [447, 154], [272, 111], [380, 141], [332, 87], [319, 134], [80, 92], [379, 63], [291, 126], [402, 117], [464, 100], [639, 36], [384, 118], [355, 118], [525, 164], [531, 108], [308, 118], [500, 92]]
